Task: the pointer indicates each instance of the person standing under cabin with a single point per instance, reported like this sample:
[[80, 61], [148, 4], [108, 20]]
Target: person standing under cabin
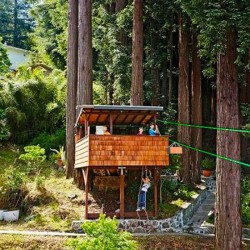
[[141, 205], [153, 131]]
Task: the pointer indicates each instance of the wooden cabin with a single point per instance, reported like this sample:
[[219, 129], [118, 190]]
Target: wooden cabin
[[118, 151]]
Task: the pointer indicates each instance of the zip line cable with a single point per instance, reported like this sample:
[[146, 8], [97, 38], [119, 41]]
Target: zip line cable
[[207, 127], [209, 153]]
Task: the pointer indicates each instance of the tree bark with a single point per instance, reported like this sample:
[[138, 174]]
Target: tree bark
[[184, 133], [196, 117], [137, 55], [85, 54], [121, 36], [155, 71], [71, 85], [170, 81], [15, 36], [120, 5], [228, 175]]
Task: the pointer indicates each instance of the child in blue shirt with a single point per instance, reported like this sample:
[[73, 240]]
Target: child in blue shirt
[[151, 130]]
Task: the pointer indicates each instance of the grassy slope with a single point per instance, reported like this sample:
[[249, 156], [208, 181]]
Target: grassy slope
[[48, 208], [164, 242]]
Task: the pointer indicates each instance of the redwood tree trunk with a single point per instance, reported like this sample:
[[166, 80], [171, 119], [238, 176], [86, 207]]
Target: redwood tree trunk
[[71, 85], [170, 82], [228, 206], [137, 55], [15, 36], [84, 94], [121, 36], [196, 117], [184, 101]]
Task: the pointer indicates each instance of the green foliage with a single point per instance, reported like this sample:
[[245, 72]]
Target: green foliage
[[213, 19], [47, 141], [104, 235], [174, 162], [208, 163], [34, 103], [4, 130], [245, 201], [184, 192], [170, 114], [50, 35], [15, 29], [245, 111], [34, 156], [12, 188], [112, 71], [173, 189], [167, 210], [4, 60]]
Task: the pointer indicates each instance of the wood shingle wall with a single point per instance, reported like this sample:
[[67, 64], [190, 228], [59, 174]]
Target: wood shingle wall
[[122, 150]]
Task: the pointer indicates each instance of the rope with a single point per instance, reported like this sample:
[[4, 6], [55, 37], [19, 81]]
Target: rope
[[206, 127], [209, 153], [138, 200]]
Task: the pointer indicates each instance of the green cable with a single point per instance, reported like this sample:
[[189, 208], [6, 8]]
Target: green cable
[[209, 153], [207, 127]]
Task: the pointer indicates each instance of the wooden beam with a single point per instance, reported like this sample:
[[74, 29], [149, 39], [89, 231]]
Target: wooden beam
[[115, 118], [122, 209], [111, 124], [142, 214], [86, 192], [146, 114]]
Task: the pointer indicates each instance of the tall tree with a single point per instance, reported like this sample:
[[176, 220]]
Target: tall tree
[[72, 62], [85, 54], [228, 222], [228, 28], [196, 110], [137, 55], [17, 23], [184, 133]]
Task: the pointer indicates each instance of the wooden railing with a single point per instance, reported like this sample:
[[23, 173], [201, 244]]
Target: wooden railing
[[121, 150]]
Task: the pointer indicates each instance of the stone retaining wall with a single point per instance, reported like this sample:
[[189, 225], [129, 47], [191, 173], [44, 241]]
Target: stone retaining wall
[[173, 224]]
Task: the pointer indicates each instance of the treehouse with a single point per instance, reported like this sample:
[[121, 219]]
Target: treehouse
[[120, 152]]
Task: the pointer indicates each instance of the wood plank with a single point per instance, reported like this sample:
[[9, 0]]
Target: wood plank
[[126, 215], [86, 192], [81, 165], [81, 161]]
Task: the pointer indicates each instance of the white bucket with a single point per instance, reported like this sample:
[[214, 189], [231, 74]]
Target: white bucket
[[11, 215], [1, 214]]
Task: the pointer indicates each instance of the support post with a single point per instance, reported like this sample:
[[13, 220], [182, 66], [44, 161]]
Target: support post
[[86, 191], [111, 124], [81, 132], [155, 192], [122, 185]]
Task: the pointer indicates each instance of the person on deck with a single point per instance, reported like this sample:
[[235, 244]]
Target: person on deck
[[141, 205], [153, 131], [140, 131], [105, 130]]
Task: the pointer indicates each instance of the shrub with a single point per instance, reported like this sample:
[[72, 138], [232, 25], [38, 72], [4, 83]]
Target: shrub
[[208, 163], [48, 141], [34, 156], [12, 188], [103, 235], [245, 201]]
